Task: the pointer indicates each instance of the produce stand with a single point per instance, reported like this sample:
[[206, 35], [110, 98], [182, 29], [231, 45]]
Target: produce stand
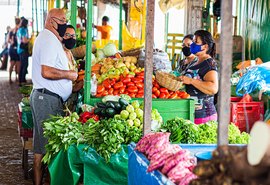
[[78, 163], [168, 109], [25, 125]]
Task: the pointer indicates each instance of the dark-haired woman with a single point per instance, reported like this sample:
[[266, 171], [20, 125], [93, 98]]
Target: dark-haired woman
[[22, 37], [190, 58], [201, 78]]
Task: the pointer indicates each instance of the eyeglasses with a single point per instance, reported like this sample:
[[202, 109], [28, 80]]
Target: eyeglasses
[[61, 20], [70, 35]]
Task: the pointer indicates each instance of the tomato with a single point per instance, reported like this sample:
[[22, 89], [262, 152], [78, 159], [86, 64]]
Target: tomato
[[136, 80], [167, 95], [99, 95], [125, 92], [185, 96], [141, 91], [106, 83], [139, 95], [130, 84], [105, 93], [154, 89], [140, 73], [173, 96], [246, 98], [129, 76], [115, 92], [122, 90], [162, 95], [132, 89], [171, 92], [132, 95], [181, 93], [140, 85], [110, 91], [126, 80], [156, 84], [154, 96], [163, 90], [157, 93], [113, 81], [118, 85], [100, 89]]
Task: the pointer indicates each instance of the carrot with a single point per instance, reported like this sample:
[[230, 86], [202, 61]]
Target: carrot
[[117, 55]]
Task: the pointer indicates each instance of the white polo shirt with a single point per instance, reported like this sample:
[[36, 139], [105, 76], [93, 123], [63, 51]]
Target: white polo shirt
[[48, 50]]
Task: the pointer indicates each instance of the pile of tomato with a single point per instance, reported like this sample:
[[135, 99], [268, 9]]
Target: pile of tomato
[[134, 87]]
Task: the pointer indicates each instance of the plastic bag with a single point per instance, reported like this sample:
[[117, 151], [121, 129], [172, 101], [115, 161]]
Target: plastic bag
[[94, 83], [256, 78], [161, 60]]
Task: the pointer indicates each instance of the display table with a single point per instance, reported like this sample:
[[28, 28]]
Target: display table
[[83, 162]]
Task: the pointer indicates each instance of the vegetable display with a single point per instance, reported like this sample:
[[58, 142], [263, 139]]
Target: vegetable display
[[174, 162], [184, 131]]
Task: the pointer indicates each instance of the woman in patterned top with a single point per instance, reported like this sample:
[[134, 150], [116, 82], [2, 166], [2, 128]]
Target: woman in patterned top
[[201, 78]]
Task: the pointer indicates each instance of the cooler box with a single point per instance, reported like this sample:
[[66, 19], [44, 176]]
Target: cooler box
[[245, 114]]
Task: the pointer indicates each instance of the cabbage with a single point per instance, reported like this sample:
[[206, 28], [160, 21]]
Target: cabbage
[[110, 50], [100, 54]]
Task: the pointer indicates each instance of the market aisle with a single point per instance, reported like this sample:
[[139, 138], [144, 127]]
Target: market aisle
[[11, 172]]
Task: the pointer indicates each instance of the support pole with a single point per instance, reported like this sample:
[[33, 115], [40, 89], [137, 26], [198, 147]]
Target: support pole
[[33, 16], [120, 24], [58, 3], [166, 31], [73, 19], [87, 84], [148, 66], [225, 72], [36, 8], [18, 8]]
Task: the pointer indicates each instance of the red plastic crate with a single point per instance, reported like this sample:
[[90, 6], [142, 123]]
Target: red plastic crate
[[246, 112], [23, 132]]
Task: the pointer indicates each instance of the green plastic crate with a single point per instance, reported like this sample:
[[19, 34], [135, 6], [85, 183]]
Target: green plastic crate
[[168, 108]]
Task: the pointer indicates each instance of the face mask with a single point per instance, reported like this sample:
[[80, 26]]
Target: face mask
[[186, 51], [61, 29], [194, 48], [69, 43]]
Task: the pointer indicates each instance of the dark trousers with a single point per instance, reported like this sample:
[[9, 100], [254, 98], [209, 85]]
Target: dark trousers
[[24, 66]]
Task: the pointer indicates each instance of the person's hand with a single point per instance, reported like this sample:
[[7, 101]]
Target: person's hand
[[73, 75], [78, 86], [186, 80]]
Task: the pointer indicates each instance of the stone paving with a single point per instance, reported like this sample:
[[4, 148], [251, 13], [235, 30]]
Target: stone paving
[[11, 172]]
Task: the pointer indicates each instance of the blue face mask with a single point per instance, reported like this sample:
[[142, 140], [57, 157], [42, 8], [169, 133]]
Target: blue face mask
[[194, 48]]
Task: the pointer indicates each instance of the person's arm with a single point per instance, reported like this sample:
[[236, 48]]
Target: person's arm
[[208, 86], [57, 74]]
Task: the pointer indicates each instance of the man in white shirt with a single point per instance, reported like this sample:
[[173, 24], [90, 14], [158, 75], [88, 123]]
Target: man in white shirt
[[52, 81]]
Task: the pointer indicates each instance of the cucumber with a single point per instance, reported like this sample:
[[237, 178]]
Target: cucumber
[[110, 112], [123, 102], [110, 104], [117, 106], [101, 105]]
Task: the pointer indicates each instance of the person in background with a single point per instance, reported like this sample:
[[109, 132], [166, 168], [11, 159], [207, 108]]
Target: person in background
[[69, 41], [22, 49], [4, 53], [105, 29], [52, 81], [190, 59], [201, 79], [14, 57]]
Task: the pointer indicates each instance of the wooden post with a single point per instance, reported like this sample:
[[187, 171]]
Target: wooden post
[[148, 66], [225, 72]]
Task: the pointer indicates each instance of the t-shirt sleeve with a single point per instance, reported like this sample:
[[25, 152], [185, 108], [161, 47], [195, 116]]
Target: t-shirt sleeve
[[48, 55], [99, 28]]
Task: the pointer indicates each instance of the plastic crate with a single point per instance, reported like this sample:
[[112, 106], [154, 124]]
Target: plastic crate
[[168, 108], [23, 132], [246, 113]]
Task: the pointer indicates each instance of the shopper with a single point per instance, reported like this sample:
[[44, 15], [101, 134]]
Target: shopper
[[22, 49], [201, 78], [4, 53], [52, 81], [14, 57], [69, 41], [105, 29], [190, 58]]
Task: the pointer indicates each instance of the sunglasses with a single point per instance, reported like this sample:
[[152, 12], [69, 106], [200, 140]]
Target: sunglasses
[[70, 35]]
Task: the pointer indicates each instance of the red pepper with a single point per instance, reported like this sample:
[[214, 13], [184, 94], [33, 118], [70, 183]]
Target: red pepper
[[163, 90], [118, 85], [140, 85], [173, 96], [106, 83], [154, 89], [132, 95], [126, 80], [154, 96], [122, 90], [141, 91], [113, 81], [157, 93], [105, 93], [110, 91], [100, 89], [130, 84], [162, 95], [139, 95], [136, 80]]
